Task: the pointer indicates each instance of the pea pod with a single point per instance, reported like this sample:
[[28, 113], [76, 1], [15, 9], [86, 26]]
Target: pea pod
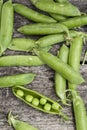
[[75, 55], [20, 60], [79, 112], [75, 21], [56, 38], [36, 96], [22, 44], [1, 4], [6, 26], [32, 14], [19, 125], [18, 79], [62, 68], [60, 82], [58, 8], [43, 28]]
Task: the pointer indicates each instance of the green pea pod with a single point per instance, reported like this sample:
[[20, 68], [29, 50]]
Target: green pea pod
[[6, 26], [79, 112], [58, 8], [19, 79], [59, 66], [20, 60], [62, 1], [32, 15], [43, 28], [75, 55], [1, 4], [22, 44], [56, 38], [36, 95], [19, 125], [58, 17], [60, 82], [75, 21]]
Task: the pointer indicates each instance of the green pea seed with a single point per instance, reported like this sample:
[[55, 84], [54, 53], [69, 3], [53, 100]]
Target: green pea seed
[[43, 101], [47, 107], [55, 106], [20, 93], [29, 98], [35, 101]]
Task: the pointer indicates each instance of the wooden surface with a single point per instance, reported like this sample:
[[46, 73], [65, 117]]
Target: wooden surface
[[43, 83]]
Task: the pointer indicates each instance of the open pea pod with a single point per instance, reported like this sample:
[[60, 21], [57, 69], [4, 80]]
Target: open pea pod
[[37, 100], [19, 125]]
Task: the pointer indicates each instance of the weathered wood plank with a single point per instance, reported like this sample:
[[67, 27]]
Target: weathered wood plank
[[43, 83]]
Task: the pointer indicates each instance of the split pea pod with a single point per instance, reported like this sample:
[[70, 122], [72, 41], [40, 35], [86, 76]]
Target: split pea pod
[[7, 20], [18, 79], [43, 28], [59, 66], [20, 60], [32, 14], [60, 82], [79, 112], [22, 44], [75, 55], [19, 125], [58, 8], [62, 1], [56, 38], [75, 22], [36, 100]]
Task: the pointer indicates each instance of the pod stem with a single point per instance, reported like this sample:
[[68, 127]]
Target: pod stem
[[65, 117], [11, 118]]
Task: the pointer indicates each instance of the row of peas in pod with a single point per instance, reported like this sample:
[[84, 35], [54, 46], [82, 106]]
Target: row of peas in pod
[[56, 25]]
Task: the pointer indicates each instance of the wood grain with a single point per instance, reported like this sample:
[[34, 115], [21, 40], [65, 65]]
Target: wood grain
[[43, 83]]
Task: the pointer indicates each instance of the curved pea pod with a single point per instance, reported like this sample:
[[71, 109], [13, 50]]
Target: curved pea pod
[[43, 28], [18, 79], [22, 44], [58, 8], [58, 17], [75, 55], [38, 96], [7, 20], [32, 14], [75, 22], [19, 125], [79, 112], [59, 66], [20, 60], [55, 38], [60, 82]]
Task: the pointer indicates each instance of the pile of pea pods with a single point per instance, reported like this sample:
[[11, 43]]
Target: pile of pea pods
[[58, 24]]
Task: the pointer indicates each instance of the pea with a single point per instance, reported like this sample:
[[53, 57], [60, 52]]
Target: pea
[[58, 8], [20, 93], [19, 125], [32, 14], [59, 66], [35, 101], [47, 107], [20, 60], [7, 20], [55, 106], [29, 98], [43, 101], [43, 29]]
